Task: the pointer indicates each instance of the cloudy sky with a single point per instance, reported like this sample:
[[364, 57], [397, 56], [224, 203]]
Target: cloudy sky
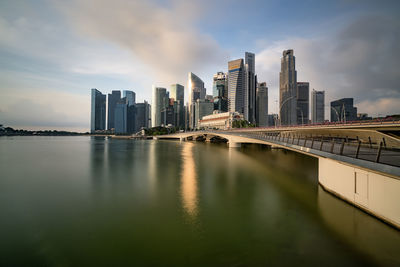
[[53, 52]]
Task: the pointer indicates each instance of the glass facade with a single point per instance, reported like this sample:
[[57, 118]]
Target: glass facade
[[98, 111]]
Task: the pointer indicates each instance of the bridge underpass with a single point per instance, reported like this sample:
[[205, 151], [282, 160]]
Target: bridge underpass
[[360, 170]]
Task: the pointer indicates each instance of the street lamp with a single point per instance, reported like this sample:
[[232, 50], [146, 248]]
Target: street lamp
[[283, 103], [302, 116]]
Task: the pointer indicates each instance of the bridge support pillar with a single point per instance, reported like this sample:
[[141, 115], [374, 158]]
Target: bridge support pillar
[[232, 144], [182, 139]]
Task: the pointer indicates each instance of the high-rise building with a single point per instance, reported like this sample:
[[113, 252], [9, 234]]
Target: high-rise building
[[262, 105], [220, 91], [303, 102], [98, 111], [130, 97], [250, 88], [317, 106], [142, 116], [202, 108], [236, 86], [177, 92], [113, 99], [121, 116], [288, 89], [343, 110], [159, 102], [196, 91]]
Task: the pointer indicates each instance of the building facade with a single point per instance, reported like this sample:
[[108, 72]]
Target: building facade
[[343, 110], [288, 89], [159, 103], [219, 120], [130, 97], [196, 91], [98, 111], [202, 108], [143, 112], [113, 99], [120, 117], [262, 105], [318, 106], [236, 86], [250, 88], [177, 92], [220, 91], [303, 102]]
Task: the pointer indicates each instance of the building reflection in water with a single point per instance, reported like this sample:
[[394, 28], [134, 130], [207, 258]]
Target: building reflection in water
[[189, 181]]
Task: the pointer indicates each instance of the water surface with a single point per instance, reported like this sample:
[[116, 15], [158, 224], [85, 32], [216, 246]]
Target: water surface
[[93, 201]]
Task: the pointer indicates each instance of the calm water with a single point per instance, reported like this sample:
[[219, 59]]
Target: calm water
[[89, 201]]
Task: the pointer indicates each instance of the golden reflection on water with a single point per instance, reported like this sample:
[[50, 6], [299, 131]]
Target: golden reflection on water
[[189, 180]]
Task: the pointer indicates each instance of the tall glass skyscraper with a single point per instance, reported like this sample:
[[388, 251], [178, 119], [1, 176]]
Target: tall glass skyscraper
[[142, 116], [98, 111], [343, 110], [159, 103], [236, 86], [303, 102], [196, 91], [220, 91], [130, 97], [121, 117], [177, 92], [318, 106], [288, 89], [250, 88], [262, 105], [113, 99]]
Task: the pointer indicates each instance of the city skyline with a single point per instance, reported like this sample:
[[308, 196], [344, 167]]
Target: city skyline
[[49, 73]]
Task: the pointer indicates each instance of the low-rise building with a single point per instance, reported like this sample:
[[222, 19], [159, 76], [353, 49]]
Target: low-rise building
[[221, 121]]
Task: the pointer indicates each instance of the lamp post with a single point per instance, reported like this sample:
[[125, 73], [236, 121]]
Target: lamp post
[[283, 103], [302, 116], [337, 114]]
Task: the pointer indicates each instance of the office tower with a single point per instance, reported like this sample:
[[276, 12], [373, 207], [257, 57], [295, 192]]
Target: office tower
[[177, 92], [202, 108], [318, 106], [236, 86], [168, 114], [113, 98], [121, 116], [196, 91], [220, 91], [142, 116], [343, 110], [262, 105], [98, 111], [250, 88], [303, 102], [159, 103], [130, 97], [288, 89]]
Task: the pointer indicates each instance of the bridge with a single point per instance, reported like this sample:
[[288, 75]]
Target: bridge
[[358, 163]]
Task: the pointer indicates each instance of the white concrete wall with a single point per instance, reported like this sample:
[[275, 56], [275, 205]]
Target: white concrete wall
[[378, 194]]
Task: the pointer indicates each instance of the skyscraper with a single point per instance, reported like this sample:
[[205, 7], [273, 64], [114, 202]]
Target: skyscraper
[[288, 89], [262, 105], [343, 110], [220, 91], [121, 116], [130, 97], [202, 108], [113, 98], [98, 111], [142, 116], [250, 88], [317, 106], [177, 92], [303, 102], [236, 86], [196, 91], [159, 102]]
